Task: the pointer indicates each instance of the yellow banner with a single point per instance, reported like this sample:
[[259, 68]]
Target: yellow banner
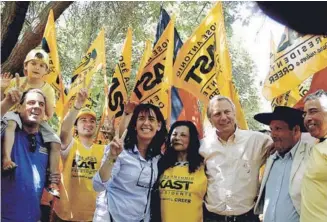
[[49, 44], [203, 70], [93, 62], [152, 86], [194, 68], [120, 81], [297, 58], [291, 97], [146, 55]]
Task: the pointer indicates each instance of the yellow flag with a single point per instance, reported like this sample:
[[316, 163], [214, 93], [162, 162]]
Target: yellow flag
[[93, 62], [297, 58], [203, 66], [224, 70], [120, 81], [194, 68], [291, 97], [49, 44], [152, 86], [145, 58]]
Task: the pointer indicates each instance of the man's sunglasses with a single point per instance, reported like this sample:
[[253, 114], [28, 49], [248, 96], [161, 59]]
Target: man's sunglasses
[[32, 140]]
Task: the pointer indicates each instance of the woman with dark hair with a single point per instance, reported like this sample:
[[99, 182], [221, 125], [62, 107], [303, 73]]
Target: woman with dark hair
[[182, 182], [129, 170]]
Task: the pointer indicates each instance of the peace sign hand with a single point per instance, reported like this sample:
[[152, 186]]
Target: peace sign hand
[[116, 146], [18, 86]]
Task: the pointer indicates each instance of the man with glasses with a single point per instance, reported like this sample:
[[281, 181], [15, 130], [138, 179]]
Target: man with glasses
[[314, 185], [81, 158], [21, 192]]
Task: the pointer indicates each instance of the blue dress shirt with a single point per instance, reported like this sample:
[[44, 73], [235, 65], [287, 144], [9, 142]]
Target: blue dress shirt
[[278, 205], [129, 185]]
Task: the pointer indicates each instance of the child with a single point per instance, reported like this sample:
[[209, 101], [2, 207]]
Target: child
[[36, 65]]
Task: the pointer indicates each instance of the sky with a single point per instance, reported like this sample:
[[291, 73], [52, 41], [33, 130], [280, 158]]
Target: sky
[[256, 40]]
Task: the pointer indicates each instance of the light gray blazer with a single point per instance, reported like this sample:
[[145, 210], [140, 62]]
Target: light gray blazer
[[298, 166]]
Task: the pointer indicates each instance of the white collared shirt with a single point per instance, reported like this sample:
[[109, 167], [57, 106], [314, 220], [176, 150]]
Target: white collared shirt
[[233, 170]]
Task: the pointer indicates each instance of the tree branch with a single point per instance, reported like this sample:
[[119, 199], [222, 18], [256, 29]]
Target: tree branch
[[11, 25], [32, 37]]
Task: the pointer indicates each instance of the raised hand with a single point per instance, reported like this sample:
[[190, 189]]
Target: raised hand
[[82, 96], [18, 86], [14, 94], [108, 128], [129, 106], [5, 80], [116, 147]]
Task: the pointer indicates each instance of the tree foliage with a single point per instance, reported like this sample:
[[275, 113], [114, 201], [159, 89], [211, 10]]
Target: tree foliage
[[31, 35], [81, 22]]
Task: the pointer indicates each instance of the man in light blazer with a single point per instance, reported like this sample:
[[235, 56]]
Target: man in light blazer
[[280, 193]]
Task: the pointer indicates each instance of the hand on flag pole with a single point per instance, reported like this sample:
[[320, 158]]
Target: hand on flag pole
[[108, 128]]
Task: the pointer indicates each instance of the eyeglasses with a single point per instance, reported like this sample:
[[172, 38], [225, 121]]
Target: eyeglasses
[[32, 140], [145, 178]]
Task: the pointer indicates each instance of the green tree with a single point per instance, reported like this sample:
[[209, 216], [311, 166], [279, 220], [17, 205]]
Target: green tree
[[81, 22]]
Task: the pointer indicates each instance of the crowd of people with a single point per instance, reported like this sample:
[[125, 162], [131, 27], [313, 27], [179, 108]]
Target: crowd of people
[[148, 173]]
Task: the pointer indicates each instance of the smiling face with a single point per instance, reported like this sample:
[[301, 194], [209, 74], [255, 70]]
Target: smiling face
[[32, 111], [35, 69], [180, 138], [147, 125], [315, 119], [284, 138], [86, 126], [222, 117]]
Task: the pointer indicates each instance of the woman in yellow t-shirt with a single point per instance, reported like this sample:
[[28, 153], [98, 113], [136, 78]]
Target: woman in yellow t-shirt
[[182, 182]]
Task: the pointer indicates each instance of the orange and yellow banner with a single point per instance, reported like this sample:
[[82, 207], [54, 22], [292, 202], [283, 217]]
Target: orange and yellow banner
[[297, 58], [93, 62], [49, 44], [319, 81], [120, 81], [152, 85]]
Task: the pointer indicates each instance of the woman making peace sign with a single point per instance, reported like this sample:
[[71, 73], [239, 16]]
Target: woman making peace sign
[[129, 170]]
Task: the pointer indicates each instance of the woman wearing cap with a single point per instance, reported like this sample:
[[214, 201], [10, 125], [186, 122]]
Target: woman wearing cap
[[182, 182], [129, 170]]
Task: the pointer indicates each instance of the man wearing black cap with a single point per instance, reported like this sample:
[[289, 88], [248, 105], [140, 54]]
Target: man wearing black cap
[[280, 192]]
